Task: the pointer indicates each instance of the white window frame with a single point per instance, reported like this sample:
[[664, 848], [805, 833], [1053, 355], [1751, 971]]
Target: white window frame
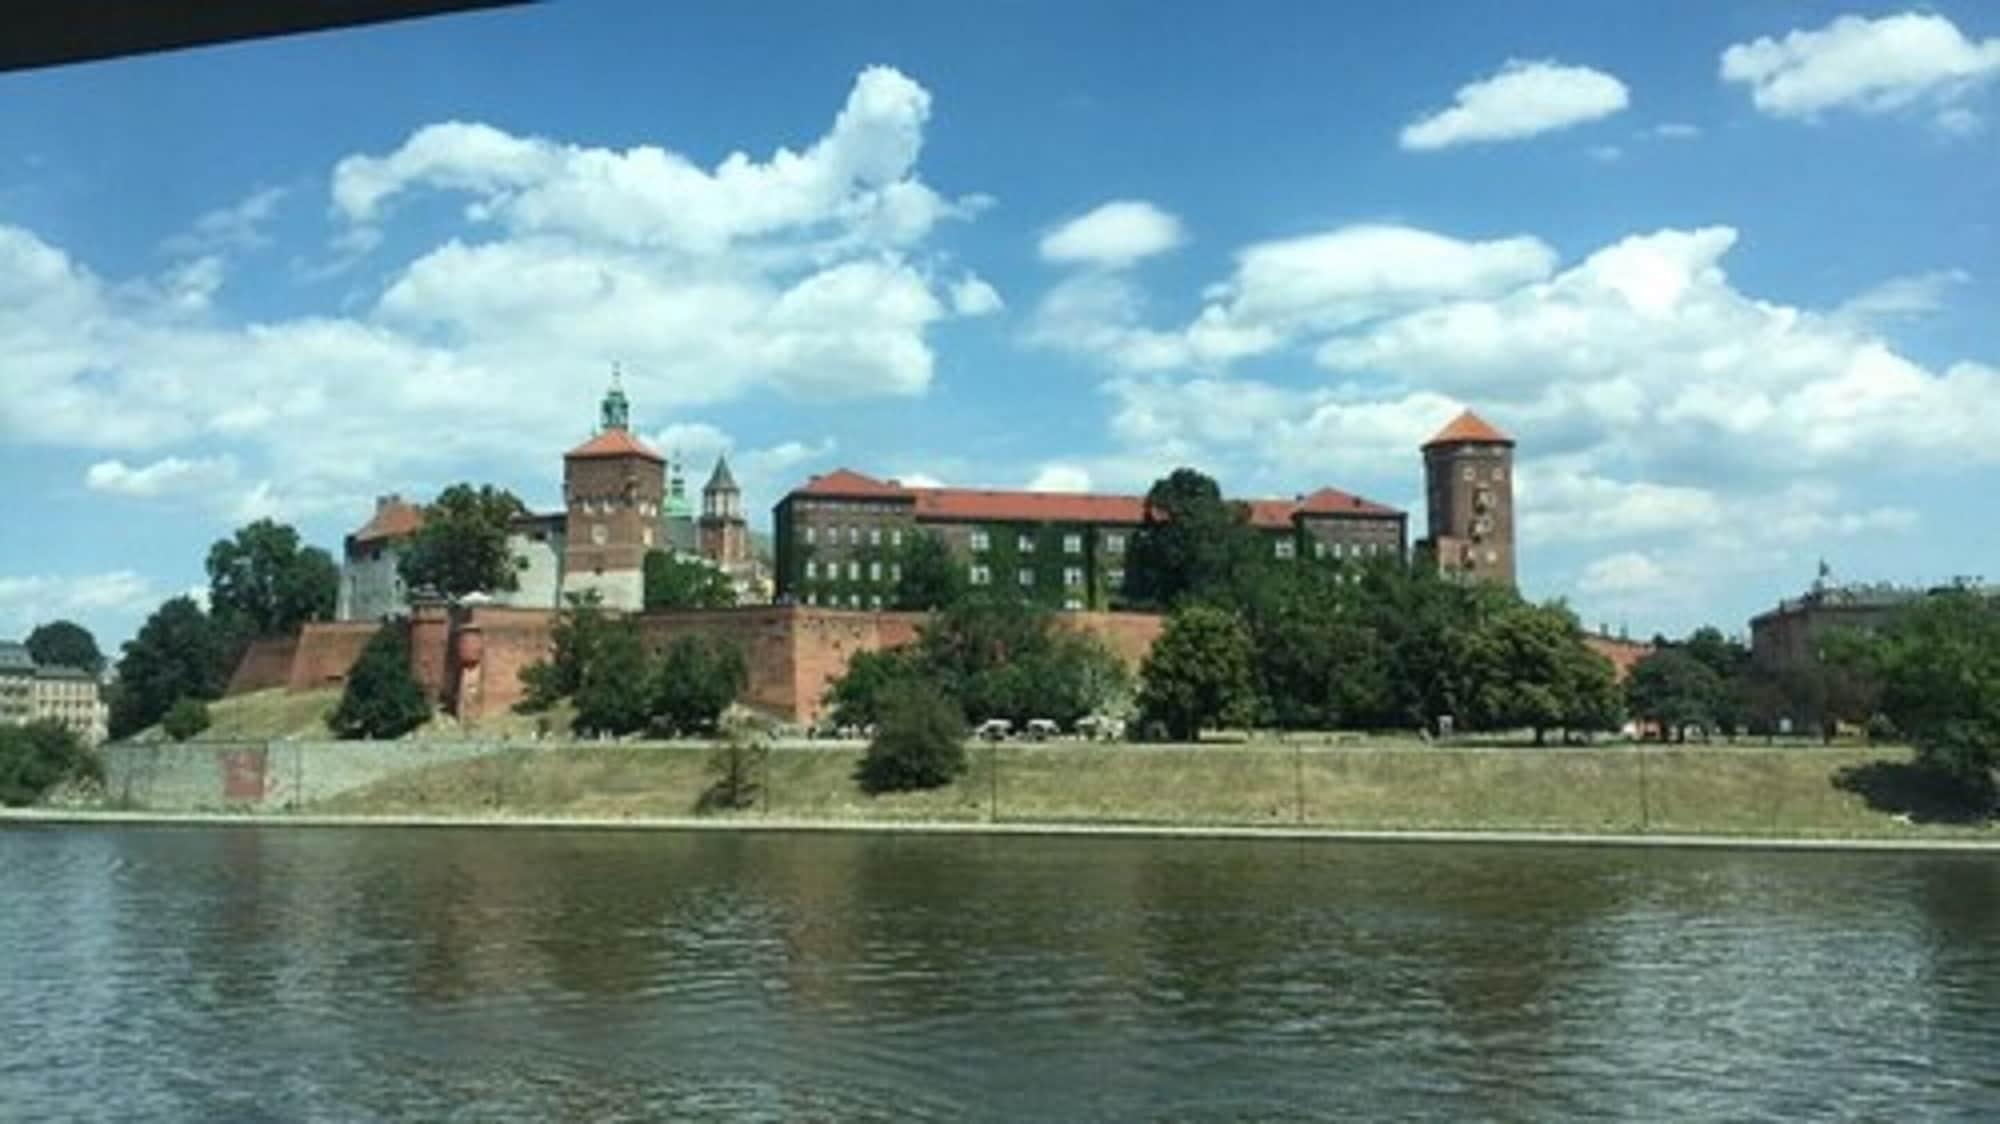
[[874, 536], [1284, 548], [1114, 543], [853, 570], [1025, 543], [1115, 578], [980, 574], [981, 541], [1026, 577], [812, 534], [874, 571], [812, 570], [1072, 543], [1072, 576]]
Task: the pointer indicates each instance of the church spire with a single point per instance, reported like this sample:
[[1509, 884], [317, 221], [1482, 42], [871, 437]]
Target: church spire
[[616, 411]]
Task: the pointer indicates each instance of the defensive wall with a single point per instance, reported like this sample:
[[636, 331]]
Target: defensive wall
[[470, 658], [264, 776]]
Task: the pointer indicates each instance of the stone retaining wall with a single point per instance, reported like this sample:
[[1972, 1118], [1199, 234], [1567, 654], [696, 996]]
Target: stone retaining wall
[[265, 776]]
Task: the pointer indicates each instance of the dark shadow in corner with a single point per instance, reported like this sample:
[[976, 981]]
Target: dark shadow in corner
[[1924, 794]]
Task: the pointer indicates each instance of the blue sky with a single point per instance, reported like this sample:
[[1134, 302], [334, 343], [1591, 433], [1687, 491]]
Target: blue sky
[[1727, 272]]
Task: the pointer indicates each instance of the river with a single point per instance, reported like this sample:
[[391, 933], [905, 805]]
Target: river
[[484, 975]]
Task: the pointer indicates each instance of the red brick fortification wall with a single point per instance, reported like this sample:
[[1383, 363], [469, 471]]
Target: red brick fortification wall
[[1131, 635], [766, 633], [1622, 653], [510, 640], [266, 663], [430, 649], [325, 652]]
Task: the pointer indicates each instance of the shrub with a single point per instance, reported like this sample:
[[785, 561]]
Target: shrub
[[187, 718], [696, 681], [383, 699], [38, 756], [612, 698], [737, 766], [919, 744]]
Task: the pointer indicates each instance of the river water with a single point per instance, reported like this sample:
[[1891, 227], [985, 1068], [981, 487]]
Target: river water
[[482, 975]]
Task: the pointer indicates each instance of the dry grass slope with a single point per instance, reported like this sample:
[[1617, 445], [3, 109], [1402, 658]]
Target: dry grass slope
[[1750, 791]]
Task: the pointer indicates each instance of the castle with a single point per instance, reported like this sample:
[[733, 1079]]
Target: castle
[[839, 536], [621, 501]]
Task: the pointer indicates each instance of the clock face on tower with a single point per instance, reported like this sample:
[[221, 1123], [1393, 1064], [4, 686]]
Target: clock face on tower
[[598, 534]]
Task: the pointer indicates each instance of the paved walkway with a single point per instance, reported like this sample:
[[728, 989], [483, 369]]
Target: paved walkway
[[1140, 831]]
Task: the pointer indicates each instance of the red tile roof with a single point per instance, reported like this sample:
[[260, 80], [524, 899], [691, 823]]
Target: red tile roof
[[1333, 501], [613, 443], [1027, 507], [393, 519], [846, 483], [1000, 506], [1469, 428]]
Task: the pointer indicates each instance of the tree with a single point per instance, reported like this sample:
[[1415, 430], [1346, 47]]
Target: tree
[[1592, 697], [612, 697], [919, 744], [931, 577], [1198, 673], [185, 719], [737, 766], [462, 546], [1429, 627], [856, 698], [578, 631], [261, 582], [383, 699], [1940, 673], [37, 756], [1319, 664], [696, 680], [1675, 690], [177, 654], [65, 644], [1524, 659], [1192, 546], [1730, 661], [678, 582]]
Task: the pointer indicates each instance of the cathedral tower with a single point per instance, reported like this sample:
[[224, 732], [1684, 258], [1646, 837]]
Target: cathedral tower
[[613, 486], [1469, 482], [725, 537]]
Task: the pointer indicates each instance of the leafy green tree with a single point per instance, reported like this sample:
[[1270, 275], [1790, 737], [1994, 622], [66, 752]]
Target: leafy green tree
[[1940, 672], [678, 582], [919, 744], [462, 546], [187, 718], [262, 582], [578, 631], [1592, 698], [37, 756], [1429, 627], [737, 766], [383, 699], [931, 577], [1524, 658], [617, 680], [856, 698], [65, 644], [696, 680], [178, 653], [1198, 673], [1319, 664], [1675, 690], [1192, 546], [1730, 661]]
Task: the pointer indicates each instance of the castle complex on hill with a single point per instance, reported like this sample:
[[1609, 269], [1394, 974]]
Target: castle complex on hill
[[621, 501], [839, 537]]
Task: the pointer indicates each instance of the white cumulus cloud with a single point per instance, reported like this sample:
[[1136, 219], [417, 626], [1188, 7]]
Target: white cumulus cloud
[[1860, 64], [1523, 99], [1113, 235], [1056, 477], [166, 476]]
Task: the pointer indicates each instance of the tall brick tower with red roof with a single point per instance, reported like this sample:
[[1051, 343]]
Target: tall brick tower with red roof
[[613, 486], [1469, 482]]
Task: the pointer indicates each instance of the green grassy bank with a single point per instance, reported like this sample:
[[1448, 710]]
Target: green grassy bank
[[1719, 790]]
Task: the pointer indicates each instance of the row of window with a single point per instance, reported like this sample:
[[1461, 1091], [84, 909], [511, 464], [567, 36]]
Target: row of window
[[1499, 473], [1114, 542], [853, 536], [1288, 548], [875, 571], [605, 506], [874, 601], [982, 574]]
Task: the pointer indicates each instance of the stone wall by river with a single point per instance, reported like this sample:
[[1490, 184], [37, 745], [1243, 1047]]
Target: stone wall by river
[[266, 776]]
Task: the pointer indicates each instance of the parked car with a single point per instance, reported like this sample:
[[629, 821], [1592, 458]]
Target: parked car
[[1041, 729], [993, 729]]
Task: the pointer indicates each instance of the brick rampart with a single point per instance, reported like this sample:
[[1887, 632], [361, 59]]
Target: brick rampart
[[510, 640], [266, 663], [325, 652]]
